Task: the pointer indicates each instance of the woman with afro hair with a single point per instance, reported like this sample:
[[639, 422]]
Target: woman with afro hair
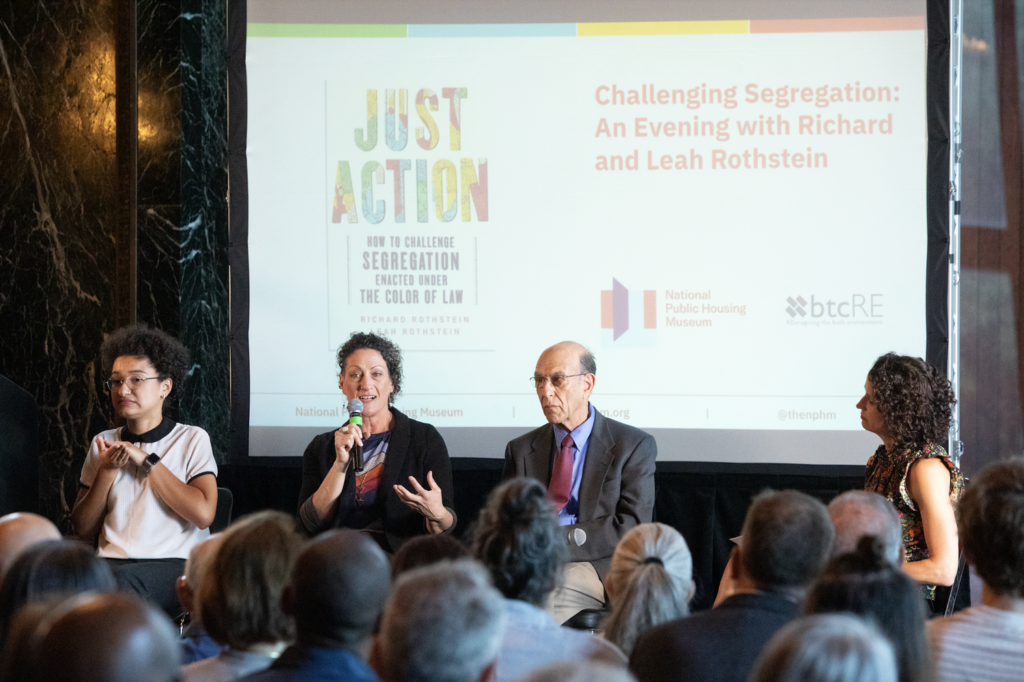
[[148, 490], [907, 403]]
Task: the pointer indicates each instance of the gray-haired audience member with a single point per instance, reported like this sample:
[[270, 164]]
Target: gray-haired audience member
[[337, 590], [54, 569], [196, 645], [18, 532], [985, 643], [864, 582], [828, 648], [857, 513], [106, 638], [519, 540], [442, 623], [787, 538], [240, 599], [650, 582], [581, 672]]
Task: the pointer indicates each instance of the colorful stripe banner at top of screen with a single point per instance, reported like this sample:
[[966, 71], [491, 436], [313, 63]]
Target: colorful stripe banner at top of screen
[[637, 28]]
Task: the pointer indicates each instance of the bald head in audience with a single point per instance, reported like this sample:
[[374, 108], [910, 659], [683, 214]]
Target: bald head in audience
[[338, 587], [18, 532], [107, 638], [857, 513]]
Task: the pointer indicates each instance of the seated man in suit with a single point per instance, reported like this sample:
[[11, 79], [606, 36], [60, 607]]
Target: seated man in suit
[[787, 539], [599, 473]]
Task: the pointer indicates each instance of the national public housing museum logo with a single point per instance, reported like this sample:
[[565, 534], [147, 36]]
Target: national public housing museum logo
[[628, 318]]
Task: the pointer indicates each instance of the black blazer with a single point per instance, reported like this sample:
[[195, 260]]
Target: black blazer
[[617, 489], [720, 645], [414, 449]]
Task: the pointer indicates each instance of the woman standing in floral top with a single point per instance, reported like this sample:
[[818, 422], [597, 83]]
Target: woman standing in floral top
[[907, 403]]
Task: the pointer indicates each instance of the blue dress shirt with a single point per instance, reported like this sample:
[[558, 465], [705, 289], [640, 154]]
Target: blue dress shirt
[[580, 438]]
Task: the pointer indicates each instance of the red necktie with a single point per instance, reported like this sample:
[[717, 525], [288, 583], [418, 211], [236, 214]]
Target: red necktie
[[561, 475]]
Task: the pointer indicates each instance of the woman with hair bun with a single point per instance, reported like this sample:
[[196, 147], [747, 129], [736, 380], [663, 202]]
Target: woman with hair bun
[[649, 582], [519, 540], [148, 489], [908, 404], [865, 583]]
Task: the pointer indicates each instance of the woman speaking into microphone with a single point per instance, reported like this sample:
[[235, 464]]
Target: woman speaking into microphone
[[404, 487]]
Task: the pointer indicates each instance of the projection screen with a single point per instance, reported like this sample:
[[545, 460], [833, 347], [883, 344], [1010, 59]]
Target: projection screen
[[726, 206]]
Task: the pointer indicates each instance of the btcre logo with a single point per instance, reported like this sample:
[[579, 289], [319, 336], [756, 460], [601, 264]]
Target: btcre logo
[[628, 318], [796, 307], [855, 305]]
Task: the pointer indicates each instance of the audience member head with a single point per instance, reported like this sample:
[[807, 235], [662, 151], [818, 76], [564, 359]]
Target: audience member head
[[16, 655], [188, 585], [18, 532], [518, 539], [866, 583], [339, 583], [442, 623], [908, 400], [787, 537], [991, 515], [857, 513], [827, 648], [649, 582], [51, 569], [583, 671], [106, 638], [424, 550], [240, 598]]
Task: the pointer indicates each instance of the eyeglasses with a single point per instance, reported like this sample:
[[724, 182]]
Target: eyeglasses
[[557, 380], [134, 383]]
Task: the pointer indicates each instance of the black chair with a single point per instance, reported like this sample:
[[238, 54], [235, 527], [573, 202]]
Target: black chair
[[222, 519]]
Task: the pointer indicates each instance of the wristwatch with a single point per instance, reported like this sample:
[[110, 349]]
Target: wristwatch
[[150, 462]]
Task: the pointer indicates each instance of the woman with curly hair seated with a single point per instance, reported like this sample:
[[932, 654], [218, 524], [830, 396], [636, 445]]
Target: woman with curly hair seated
[[148, 490], [907, 403], [404, 487]]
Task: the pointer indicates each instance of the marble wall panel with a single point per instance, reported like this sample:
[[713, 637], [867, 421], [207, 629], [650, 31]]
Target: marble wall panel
[[57, 199], [182, 183], [204, 226], [57, 182], [159, 270]]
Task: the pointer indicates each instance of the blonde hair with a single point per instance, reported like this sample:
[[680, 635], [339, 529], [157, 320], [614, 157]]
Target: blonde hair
[[651, 574]]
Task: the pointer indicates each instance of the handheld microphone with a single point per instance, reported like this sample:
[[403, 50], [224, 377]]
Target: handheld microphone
[[355, 416]]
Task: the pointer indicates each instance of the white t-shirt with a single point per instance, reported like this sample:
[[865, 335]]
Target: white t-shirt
[[138, 524]]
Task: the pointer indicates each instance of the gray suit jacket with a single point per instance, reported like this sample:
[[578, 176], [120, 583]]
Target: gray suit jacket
[[617, 490]]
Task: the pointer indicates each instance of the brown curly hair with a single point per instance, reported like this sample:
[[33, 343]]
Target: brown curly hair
[[167, 354], [914, 399]]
